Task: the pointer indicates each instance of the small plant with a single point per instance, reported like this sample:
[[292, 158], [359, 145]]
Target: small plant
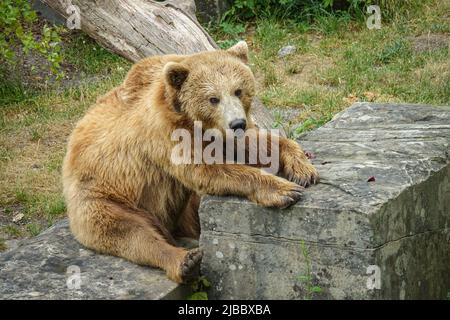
[[34, 229], [280, 123], [393, 50], [231, 29], [228, 32], [2, 245], [278, 120], [16, 22], [310, 124], [12, 231], [307, 279], [293, 67], [35, 135], [22, 196], [199, 288], [56, 207], [270, 76]]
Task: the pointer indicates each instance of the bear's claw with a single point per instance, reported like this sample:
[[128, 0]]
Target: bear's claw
[[280, 193], [302, 173], [190, 267]]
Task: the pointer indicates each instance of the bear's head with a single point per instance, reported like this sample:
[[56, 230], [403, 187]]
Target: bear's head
[[216, 87]]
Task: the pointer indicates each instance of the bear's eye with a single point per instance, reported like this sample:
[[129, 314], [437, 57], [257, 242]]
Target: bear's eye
[[238, 93], [214, 100]]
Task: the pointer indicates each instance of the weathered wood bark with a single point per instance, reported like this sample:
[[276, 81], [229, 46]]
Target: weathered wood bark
[[140, 28]]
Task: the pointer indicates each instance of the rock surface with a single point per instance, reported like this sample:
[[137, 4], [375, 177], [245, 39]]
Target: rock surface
[[46, 267], [211, 10], [385, 239], [397, 223], [286, 51]]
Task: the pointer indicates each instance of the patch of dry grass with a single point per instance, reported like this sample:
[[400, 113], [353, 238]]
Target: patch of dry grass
[[407, 61], [33, 135]]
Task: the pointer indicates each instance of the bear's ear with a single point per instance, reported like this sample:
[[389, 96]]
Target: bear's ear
[[240, 51], [175, 74]]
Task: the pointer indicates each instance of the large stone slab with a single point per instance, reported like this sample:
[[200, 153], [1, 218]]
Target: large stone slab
[[395, 228], [46, 267]]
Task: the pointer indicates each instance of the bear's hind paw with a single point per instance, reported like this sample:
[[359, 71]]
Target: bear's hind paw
[[190, 267]]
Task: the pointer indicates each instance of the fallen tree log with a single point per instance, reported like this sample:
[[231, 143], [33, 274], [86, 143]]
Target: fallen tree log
[[139, 28]]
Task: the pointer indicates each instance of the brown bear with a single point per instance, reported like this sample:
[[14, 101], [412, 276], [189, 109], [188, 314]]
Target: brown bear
[[124, 195]]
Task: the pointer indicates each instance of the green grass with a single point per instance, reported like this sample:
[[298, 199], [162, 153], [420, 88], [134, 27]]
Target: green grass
[[33, 136], [38, 203], [227, 33], [307, 279], [12, 231], [90, 57], [34, 126], [34, 229], [329, 24], [11, 92], [339, 61]]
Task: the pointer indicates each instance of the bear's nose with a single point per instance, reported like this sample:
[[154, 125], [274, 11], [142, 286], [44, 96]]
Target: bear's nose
[[238, 124]]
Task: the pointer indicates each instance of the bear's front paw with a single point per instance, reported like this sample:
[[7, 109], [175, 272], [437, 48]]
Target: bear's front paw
[[280, 194], [300, 171]]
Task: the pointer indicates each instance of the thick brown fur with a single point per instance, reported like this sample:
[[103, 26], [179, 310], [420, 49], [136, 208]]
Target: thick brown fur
[[125, 196]]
